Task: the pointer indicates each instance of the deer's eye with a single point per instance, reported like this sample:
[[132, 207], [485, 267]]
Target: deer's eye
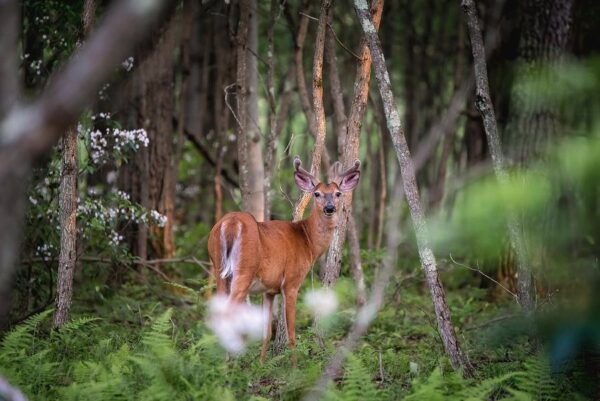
[[338, 194], [317, 194]]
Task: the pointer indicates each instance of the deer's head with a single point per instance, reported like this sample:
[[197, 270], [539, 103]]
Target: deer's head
[[328, 197]]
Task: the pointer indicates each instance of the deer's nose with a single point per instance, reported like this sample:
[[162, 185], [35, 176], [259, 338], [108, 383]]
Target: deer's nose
[[329, 209]]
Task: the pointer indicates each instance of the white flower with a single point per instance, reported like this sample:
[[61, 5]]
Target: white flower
[[235, 324], [321, 303], [111, 177], [33, 200], [159, 219]]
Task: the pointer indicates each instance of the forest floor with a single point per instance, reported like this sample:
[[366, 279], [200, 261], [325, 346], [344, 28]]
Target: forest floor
[[150, 337]]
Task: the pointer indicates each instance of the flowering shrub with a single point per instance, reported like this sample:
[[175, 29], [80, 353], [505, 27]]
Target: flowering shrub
[[103, 211]]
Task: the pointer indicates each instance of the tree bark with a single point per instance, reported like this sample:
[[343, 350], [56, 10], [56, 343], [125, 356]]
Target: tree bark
[[248, 133], [281, 330], [255, 202], [428, 262], [348, 138], [67, 258], [318, 109], [484, 105], [68, 229]]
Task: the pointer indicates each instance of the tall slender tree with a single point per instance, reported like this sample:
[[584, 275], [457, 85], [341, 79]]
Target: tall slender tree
[[428, 262], [348, 140], [67, 257]]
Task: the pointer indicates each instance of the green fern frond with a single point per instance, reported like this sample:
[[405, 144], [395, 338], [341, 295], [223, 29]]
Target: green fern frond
[[357, 384], [21, 339]]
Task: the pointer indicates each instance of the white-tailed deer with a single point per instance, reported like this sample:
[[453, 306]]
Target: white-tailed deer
[[275, 256]]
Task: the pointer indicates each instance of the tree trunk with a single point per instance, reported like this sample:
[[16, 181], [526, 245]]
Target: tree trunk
[[249, 151], [486, 108], [348, 138], [149, 103], [319, 118], [272, 134], [67, 259], [68, 228], [545, 31], [255, 200], [428, 262], [318, 108]]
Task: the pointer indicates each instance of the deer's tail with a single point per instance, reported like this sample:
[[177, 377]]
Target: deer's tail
[[231, 240]]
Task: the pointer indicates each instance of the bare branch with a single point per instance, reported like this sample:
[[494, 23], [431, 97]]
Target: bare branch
[[484, 275]]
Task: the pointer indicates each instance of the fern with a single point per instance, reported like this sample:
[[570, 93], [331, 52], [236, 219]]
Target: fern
[[21, 339], [358, 385]]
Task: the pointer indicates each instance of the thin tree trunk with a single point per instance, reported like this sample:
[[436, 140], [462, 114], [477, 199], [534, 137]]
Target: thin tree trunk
[[67, 258], [254, 200], [484, 104], [428, 262], [281, 331], [382, 189], [68, 229], [318, 109], [249, 151], [349, 138]]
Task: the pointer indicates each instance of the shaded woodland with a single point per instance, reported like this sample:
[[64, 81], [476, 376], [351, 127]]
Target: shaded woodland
[[464, 265]]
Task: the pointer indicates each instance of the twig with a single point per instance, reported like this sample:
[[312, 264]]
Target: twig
[[493, 321], [226, 90], [308, 16], [342, 45], [484, 275]]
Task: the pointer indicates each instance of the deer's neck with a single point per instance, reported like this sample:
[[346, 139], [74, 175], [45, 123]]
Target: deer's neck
[[318, 230]]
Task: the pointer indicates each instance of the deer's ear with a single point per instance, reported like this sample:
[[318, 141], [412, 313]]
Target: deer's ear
[[350, 181], [305, 182]]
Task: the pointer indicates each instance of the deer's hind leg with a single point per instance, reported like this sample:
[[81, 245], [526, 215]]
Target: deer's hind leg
[[268, 312]]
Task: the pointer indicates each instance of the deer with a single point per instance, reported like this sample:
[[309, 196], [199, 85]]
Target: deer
[[274, 257]]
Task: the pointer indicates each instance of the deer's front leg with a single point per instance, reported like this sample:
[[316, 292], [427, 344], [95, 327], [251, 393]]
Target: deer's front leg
[[268, 311]]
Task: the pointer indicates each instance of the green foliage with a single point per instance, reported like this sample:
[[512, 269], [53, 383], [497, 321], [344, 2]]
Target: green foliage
[[533, 381]]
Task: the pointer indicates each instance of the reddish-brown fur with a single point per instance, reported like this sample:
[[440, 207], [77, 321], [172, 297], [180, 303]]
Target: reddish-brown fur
[[275, 256]]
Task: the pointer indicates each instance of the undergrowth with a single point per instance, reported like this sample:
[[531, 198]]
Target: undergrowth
[[150, 343]]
